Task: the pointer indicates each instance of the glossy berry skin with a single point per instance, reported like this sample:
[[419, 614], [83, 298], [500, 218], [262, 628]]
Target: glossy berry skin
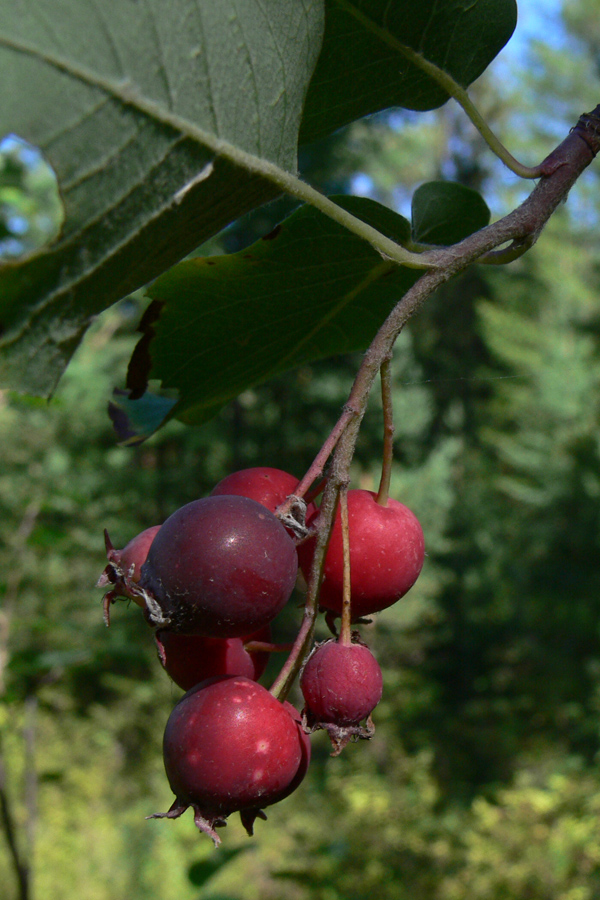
[[229, 745], [263, 484], [133, 556], [192, 658], [341, 684], [387, 550], [221, 567]]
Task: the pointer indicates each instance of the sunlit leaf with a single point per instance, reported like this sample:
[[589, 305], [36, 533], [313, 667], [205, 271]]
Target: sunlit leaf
[[363, 67]]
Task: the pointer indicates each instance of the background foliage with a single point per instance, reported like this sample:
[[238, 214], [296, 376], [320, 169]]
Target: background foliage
[[482, 778]]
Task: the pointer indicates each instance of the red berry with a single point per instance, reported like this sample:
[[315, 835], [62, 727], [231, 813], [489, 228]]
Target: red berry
[[261, 483], [222, 567], [341, 684], [123, 571], [192, 658], [133, 556], [387, 550], [229, 745]]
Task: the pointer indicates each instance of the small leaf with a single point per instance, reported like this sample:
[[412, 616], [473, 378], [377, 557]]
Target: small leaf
[[363, 67], [444, 212], [308, 290], [135, 420]]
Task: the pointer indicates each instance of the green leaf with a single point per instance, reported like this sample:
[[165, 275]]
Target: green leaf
[[444, 212], [364, 68], [102, 87], [306, 291]]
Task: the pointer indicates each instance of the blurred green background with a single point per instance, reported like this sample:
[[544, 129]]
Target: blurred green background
[[482, 780]]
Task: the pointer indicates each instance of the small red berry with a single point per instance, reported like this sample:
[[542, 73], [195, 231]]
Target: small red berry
[[266, 485], [123, 571], [341, 685], [261, 483], [133, 556]]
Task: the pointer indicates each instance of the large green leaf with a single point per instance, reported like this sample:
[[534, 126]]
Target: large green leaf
[[308, 290], [95, 84], [364, 68]]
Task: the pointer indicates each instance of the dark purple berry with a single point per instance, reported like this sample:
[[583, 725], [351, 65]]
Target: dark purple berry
[[222, 567]]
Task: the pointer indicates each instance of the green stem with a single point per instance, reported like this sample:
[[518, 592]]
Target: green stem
[[507, 254]]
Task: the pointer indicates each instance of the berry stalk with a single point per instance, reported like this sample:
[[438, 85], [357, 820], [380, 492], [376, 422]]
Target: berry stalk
[[304, 639], [345, 637]]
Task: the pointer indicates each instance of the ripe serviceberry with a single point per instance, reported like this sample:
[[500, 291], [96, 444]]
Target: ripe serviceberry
[[342, 685], [230, 746], [387, 550], [192, 658], [268, 486], [124, 568]]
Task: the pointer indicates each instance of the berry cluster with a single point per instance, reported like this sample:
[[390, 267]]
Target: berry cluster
[[210, 581]]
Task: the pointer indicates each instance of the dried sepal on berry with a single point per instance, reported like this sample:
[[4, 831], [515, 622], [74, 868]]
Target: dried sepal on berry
[[122, 572]]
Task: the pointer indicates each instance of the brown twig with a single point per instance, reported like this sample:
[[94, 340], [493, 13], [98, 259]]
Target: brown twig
[[521, 229]]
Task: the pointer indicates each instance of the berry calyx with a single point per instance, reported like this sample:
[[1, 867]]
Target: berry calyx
[[342, 685], [222, 566], [191, 658], [230, 746], [387, 550]]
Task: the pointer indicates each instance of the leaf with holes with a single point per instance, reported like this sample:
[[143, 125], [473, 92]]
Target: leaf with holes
[[309, 289], [134, 104]]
